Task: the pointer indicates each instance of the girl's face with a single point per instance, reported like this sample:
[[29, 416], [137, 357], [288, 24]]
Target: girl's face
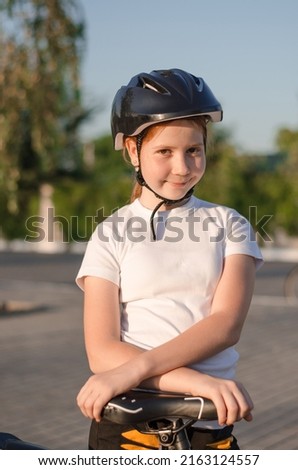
[[172, 160]]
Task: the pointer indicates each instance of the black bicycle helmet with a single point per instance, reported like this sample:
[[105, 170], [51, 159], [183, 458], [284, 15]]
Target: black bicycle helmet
[[161, 95]]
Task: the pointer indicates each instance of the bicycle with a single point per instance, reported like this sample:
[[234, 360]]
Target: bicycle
[[165, 415]]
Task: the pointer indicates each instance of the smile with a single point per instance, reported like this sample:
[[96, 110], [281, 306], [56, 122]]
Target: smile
[[178, 183]]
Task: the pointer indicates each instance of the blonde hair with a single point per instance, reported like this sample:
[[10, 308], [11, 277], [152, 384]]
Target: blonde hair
[[199, 121]]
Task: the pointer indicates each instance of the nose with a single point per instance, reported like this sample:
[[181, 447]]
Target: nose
[[180, 164]]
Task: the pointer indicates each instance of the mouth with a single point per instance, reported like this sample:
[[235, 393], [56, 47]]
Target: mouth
[[178, 184]]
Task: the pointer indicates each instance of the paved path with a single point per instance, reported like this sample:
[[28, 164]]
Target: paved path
[[43, 363]]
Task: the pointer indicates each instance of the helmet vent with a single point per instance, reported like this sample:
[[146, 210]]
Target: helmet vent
[[200, 84], [159, 96], [153, 86]]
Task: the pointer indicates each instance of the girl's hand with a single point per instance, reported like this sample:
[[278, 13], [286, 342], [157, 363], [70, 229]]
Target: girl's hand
[[101, 388], [230, 398]]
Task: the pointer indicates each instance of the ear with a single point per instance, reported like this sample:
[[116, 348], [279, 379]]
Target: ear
[[131, 147]]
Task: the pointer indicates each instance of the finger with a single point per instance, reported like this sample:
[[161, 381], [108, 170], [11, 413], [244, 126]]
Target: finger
[[97, 409], [82, 396], [84, 392], [232, 407], [98, 405], [81, 404], [244, 392], [248, 417], [245, 403], [85, 401], [248, 398], [90, 407], [221, 409]]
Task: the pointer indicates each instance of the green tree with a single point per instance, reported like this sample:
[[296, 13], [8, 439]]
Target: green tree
[[106, 186], [287, 207], [41, 45], [222, 182], [235, 180]]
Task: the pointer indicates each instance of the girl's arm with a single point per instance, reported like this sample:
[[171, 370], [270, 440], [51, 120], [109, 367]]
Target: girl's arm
[[218, 331], [128, 366], [230, 398]]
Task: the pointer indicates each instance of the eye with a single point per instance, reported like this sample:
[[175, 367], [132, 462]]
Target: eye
[[195, 150], [165, 152]]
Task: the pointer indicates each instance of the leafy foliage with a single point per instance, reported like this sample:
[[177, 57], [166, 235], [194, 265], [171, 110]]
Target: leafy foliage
[[42, 42], [40, 109], [105, 187]]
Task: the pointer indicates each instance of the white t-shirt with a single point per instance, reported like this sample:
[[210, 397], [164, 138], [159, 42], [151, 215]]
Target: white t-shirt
[[167, 285]]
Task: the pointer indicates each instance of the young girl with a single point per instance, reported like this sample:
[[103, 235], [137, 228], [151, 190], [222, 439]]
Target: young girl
[[168, 279]]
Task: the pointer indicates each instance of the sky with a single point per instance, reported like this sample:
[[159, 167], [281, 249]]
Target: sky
[[246, 51]]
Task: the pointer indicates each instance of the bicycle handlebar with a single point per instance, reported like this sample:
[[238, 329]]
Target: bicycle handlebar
[[139, 406]]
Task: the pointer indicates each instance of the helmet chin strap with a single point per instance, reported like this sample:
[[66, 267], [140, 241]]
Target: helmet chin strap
[[167, 202]]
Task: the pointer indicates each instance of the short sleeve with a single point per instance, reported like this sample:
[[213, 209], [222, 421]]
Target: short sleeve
[[241, 239], [100, 258]]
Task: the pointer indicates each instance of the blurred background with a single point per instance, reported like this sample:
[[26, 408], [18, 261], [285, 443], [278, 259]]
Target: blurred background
[[61, 63]]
